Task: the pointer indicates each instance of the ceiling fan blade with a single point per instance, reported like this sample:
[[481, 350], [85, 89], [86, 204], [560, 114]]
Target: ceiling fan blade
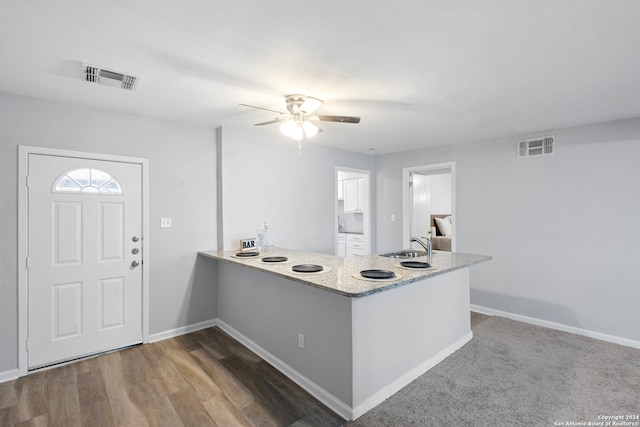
[[341, 119], [310, 104], [270, 122], [261, 108]]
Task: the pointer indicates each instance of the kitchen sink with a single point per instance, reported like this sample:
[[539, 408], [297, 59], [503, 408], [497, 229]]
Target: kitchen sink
[[405, 253]]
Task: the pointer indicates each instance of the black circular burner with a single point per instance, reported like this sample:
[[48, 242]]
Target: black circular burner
[[247, 254], [415, 264], [307, 268], [378, 274], [274, 259]]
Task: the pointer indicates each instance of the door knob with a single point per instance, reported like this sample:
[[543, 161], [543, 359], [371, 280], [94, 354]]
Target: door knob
[[135, 251], [134, 263], [135, 238]]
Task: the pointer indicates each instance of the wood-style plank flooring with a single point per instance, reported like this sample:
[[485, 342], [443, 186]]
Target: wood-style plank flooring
[[205, 378]]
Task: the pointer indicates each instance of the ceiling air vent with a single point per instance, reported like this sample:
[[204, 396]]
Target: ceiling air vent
[[111, 78], [536, 146]]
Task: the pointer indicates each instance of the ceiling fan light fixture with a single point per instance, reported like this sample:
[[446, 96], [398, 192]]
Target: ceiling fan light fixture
[[299, 122], [297, 133], [310, 129], [292, 129]]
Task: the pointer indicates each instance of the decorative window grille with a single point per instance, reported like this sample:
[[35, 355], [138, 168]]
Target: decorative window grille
[[87, 180]]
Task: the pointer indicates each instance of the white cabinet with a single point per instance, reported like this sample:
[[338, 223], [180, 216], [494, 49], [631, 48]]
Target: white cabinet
[[355, 245], [353, 195], [341, 245], [341, 189]]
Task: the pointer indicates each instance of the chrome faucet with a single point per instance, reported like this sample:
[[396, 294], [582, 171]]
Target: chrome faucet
[[428, 247]]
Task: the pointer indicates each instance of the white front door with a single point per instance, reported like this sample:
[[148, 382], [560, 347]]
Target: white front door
[[84, 256]]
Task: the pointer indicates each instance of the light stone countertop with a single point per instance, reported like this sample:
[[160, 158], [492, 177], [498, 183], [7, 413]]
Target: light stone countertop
[[342, 275]]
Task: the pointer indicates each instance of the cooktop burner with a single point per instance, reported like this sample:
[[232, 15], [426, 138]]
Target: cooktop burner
[[247, 254], [274, 259], [307, 268], [378, 274]]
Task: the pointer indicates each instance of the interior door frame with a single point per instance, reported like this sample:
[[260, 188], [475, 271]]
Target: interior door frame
[[406, 196], [23, 245], [366, 219]]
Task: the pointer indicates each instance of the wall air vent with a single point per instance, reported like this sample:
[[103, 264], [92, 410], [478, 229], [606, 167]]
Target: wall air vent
[[536, 146], [111, 78]]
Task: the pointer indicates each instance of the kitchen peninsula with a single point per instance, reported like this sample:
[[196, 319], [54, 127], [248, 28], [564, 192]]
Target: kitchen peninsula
[[351, 342]]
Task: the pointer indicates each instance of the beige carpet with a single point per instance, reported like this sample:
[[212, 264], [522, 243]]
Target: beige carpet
[[515, 374]]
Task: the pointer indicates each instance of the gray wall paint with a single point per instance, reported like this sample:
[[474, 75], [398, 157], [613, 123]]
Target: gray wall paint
[[266, 180], [563, 229], [182, 186], [272, 311]]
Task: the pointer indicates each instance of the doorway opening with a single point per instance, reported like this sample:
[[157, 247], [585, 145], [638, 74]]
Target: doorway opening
[[429, 204], [352, 212]]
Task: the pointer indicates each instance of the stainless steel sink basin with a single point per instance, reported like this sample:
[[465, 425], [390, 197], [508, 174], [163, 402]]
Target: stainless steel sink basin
[[405, 254]]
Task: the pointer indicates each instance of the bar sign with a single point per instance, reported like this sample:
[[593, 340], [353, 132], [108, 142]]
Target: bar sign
[[248, 244]]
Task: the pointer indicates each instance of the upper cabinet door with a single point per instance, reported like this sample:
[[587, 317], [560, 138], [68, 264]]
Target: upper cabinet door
[[353, 195]]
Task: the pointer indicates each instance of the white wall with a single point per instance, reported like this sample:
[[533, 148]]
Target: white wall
[[182, 186], [563, 229], [264, 179]]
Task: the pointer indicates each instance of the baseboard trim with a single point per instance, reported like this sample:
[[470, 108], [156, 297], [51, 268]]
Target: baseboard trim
[[182, 330], [9, 375], [329, 399], [557, 326], [392, 388], [312, 388]]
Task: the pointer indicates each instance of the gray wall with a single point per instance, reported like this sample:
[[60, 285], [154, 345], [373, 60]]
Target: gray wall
[[563, 229], [264, 179], [272, 311], [182, 186]]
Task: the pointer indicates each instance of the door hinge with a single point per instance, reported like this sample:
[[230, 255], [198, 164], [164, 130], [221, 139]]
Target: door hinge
[[28, 180], [28, 262]]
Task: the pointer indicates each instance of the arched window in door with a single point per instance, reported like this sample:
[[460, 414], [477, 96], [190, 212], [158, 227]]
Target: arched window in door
[[87, 180]]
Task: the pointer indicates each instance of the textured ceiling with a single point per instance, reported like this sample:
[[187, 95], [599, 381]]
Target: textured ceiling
[[419, 73]]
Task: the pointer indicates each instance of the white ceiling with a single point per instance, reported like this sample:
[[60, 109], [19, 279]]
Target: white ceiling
[[419, 73]]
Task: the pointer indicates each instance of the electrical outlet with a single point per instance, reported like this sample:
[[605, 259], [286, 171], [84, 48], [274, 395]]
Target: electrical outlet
[[393, 217], [165, 222], [300, 340]]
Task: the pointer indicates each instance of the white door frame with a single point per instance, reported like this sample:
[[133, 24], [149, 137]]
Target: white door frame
[[23, 246], [366, 219], [406, 196]]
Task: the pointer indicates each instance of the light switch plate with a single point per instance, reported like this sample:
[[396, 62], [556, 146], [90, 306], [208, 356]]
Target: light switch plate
[[165, 222]]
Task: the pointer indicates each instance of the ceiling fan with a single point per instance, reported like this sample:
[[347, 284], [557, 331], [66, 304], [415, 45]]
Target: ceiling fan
[[300, 122]]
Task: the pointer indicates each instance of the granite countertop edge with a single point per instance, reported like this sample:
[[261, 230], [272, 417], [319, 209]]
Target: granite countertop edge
[[340, 278]]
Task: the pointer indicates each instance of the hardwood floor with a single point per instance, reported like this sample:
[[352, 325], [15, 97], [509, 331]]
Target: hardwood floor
[[205, 378]]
